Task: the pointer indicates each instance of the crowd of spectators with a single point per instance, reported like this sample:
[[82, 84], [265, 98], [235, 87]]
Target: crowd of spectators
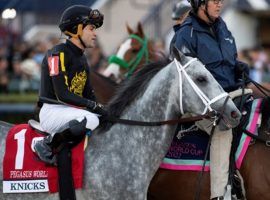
[[258, 59], [20, 63]]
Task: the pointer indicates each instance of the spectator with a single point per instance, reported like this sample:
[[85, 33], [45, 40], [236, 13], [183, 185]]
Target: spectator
[[30, 71], [40, 49], [259, 61], [3, 75]]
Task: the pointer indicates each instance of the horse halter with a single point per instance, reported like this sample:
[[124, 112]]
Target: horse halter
[[206, 101], [133, 63]]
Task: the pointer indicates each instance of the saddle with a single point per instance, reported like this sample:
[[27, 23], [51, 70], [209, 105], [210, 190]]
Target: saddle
[[70, 137], [26, 173], [62, 143]]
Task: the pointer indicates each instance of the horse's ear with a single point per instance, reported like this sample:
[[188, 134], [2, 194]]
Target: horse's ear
[[129, 30], [178, 54], [140, 29]]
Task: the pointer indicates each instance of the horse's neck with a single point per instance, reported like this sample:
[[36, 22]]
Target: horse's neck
[[147, 144], [158, 103]]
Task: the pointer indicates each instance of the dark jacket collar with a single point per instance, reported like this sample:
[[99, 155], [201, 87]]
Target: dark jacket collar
[[198, 24], [176, 27], [74, 48]]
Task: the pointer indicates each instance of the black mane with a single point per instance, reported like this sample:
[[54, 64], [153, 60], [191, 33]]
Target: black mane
[[129, 89]]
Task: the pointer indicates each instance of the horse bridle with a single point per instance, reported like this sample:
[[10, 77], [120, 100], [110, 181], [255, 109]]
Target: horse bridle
[[132, 64], [206, 101]]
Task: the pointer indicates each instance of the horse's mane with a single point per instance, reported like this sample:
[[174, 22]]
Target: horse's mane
[[131, 88]]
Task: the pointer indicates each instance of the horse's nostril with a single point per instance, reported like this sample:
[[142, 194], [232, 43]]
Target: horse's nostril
[[234, 114]]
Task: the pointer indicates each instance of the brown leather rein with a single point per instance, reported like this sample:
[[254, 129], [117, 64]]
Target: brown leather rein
[[209, 115]]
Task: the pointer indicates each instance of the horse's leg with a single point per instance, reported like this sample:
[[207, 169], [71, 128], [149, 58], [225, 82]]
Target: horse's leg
[[255, 172], [178, 185]]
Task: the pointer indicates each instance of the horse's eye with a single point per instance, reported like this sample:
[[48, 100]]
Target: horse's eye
[[201, 79]]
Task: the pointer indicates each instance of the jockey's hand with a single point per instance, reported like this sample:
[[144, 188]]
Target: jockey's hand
[[96, 108], [100, 110]]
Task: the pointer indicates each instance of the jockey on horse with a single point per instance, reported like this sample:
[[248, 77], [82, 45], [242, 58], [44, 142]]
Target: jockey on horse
[[65, 79], [205, 35]]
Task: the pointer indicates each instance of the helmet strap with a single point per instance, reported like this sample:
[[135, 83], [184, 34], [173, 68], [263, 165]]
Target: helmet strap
[[77, 35], [79, 32], [84, 46]]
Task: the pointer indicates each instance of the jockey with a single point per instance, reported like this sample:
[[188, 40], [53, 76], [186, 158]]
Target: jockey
[[205, 35], [65, 78]]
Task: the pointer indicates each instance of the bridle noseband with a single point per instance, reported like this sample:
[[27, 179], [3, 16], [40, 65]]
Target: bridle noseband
[[206, 101]]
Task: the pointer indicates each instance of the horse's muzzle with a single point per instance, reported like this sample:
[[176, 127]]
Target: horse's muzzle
[[230, 120]]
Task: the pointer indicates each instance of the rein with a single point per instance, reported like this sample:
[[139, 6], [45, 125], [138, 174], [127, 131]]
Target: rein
[[209, 115], [132, 64], [262, 89]]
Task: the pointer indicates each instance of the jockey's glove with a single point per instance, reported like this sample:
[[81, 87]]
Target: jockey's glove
[[97, 108]]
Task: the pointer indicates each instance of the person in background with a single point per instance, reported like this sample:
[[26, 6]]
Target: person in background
[[30, 70], [4, 78], [204, 35], [65, 79], [179, 14]]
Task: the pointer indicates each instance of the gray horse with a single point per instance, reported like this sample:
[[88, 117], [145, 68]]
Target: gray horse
[[121, 160]]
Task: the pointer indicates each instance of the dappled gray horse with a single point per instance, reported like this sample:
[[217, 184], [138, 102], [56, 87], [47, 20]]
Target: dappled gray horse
[[121, 160]]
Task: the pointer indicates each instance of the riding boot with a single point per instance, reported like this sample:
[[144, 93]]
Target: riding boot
[[70, 136], [50, 145], [44, 151]]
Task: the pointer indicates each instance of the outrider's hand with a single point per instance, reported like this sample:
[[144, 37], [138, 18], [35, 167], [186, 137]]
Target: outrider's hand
[[241, 68]]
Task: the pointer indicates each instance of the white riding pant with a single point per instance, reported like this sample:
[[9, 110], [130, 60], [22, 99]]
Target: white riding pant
[[55, 118], [219, 152]]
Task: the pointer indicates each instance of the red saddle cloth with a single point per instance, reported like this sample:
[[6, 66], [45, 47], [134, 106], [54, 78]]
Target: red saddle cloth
[[22, 170]]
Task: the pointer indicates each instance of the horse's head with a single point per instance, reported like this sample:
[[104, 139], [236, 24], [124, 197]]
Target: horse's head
[[197, 85], [135, 51]]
